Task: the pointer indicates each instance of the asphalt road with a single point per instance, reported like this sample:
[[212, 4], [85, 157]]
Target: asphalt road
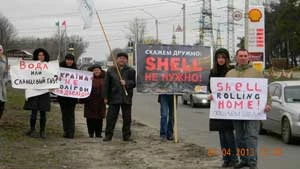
[[193, 128]]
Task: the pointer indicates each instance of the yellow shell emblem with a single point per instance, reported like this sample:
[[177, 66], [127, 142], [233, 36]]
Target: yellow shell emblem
[[255, 15], [197, 88]]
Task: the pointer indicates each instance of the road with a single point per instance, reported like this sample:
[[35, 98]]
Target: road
[[193, 128]]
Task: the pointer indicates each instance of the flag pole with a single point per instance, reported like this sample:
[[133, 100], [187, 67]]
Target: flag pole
[[110, 50], [59, 40]]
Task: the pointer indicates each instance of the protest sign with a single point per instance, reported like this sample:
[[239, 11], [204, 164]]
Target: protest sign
[[74, 83], [34, 75], [239, 98], [172, 68]]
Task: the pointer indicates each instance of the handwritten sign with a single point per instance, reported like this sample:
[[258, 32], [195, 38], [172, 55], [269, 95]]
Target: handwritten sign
[[35, 75], [74, 83], [238, 98]]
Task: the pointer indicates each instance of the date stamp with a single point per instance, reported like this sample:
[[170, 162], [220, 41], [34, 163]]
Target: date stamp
[[264, 151]]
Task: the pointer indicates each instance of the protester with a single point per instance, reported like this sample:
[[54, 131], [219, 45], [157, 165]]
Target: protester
[[38, 100], [94, 106], [68, 104], [115, 96], [246, 130], [3, 79], [166, 116], [225, 127]]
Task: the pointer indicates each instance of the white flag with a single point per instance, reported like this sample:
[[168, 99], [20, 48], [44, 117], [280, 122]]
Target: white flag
[[87, 10]]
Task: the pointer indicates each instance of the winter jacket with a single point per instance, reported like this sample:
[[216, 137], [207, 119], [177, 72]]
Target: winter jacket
[[94, 106], [113, 90], [247, 71], [67, 100], [40, 103], [219, 124]]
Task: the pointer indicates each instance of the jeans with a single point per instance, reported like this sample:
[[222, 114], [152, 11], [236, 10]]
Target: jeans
[[228, 146], [246, 138], [166, 116]]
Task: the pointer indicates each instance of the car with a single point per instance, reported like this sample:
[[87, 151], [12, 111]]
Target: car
[[195, 99], [284, 116]]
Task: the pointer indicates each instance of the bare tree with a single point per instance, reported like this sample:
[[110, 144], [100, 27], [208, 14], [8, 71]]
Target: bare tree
[[137, 29], [7, 32], [51, 44], [115, 52]]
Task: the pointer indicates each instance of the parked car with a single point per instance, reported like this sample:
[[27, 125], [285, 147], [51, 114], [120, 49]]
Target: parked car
[[196, 99], [284, 117]]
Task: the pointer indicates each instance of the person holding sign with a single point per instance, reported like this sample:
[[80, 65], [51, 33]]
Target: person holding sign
[[94, 106], [38, 100], [67, 104], [246, 130], [115, 96], [3, 78], [225, 127]]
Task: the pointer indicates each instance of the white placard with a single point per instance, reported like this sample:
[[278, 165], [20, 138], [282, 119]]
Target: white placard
[[74, 83], [238, 98], [35, 75]]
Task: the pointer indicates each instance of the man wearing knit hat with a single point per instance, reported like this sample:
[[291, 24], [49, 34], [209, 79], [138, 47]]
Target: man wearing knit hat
[[116, 97]]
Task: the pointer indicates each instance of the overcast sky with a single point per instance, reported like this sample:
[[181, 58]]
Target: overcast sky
[[37, 18]]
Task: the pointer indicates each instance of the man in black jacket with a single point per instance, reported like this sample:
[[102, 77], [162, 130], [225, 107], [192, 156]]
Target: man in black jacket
[[115, 96]]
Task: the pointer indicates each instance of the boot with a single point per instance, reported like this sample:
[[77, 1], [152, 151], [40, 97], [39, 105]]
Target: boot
[[42, 128], [30, 132]]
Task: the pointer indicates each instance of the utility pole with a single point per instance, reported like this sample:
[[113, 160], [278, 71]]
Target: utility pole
[[184, 14], [230, 29], [174, 36], [156, 23], [219, 40], [206, 22], [246, 23], [183, 8]]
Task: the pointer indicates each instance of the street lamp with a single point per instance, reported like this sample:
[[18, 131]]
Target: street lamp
[[183, 9], [156, 23]]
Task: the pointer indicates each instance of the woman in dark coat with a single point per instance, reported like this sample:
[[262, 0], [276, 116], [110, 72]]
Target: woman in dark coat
[[94, 106], [40, 102], [68, 104], [225, 127]]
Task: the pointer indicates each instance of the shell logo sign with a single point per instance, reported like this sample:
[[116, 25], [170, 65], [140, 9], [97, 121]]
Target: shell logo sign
[[255, 15]]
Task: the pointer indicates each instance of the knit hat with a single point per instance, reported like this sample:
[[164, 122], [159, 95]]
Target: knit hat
[[122, 54]]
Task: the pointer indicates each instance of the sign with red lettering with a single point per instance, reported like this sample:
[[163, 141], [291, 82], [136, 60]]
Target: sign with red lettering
[[239, 98], [74, 83], [28, 74], [172, 68]]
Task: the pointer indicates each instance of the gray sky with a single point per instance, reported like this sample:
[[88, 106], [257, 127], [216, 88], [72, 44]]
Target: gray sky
[[37, 18]]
